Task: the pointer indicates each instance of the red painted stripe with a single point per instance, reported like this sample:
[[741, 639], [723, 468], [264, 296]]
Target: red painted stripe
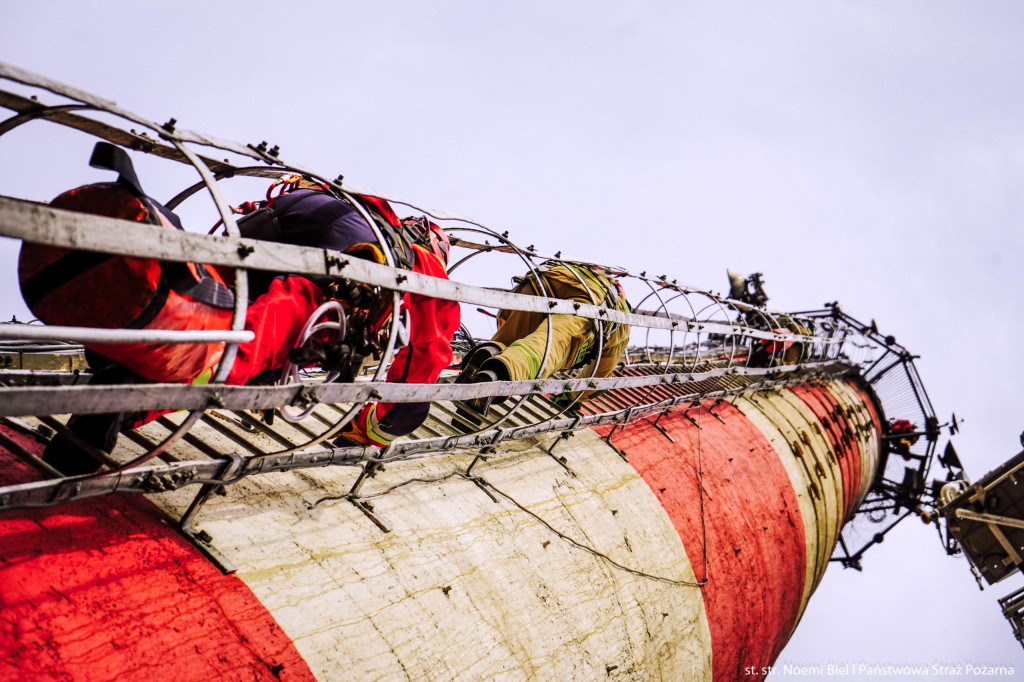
[[853, 453], [874, 415], [869, 403], [838, 430], [756, 551], [105, 589]]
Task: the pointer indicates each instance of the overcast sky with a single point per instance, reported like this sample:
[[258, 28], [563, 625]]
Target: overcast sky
[[870, 152]]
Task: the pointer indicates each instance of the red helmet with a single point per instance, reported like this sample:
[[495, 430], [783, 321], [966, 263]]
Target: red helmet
[[439, 242], [429, 235]]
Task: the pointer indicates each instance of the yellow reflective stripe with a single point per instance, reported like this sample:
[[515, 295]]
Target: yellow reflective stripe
[[532, 358], [372, 429], [585, 349], [203, 378], [588, 274], [374, 251]]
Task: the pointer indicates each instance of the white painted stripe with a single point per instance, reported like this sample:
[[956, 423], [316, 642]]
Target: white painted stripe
[[464, 587]]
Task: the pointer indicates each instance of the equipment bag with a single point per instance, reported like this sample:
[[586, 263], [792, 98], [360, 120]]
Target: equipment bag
[[80, 288]]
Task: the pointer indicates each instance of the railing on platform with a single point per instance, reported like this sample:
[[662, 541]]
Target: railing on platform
[[902, 487]]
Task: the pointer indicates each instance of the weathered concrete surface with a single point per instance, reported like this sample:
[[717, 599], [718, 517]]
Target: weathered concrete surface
[[693, 560], [464, 587]]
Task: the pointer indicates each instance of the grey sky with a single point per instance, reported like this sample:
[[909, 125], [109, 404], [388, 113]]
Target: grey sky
[[869, 152]]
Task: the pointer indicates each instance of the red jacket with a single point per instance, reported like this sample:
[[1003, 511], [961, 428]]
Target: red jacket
[[277, 318], [432, 324]]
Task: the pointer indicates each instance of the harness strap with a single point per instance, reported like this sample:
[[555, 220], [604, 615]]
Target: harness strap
[[400, 246], [110, 157], [61, 271], [600, 284]]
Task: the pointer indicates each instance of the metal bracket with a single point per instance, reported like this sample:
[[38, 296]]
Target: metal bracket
[[370, 469], [202, 541], [483, 485], [714, 414], [562, 461], [608, 439], [367, 509], [661, 428], [200, 538], [480, 483], [618, 452]]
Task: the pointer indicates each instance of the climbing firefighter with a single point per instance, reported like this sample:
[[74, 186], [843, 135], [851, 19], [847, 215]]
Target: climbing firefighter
[[775, 353], [418, 244], [276, 318], [902, 435], [59, 285], [299, 211], [516, 352]]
